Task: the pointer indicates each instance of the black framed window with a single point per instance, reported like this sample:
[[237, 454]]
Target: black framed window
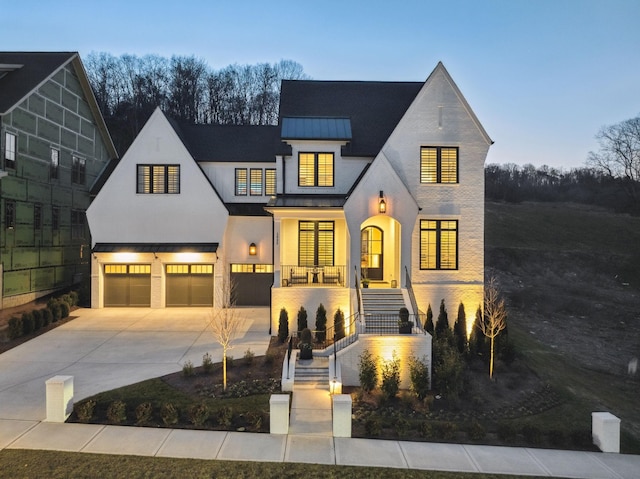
[[255, 177], [77, 224], [241, 182], [439, 244], [10, 150], [158, 179], [315, 169], [438, 164], [315, 243], [270, 184], [37, 216], [55, 218], [55, 162], [78, 170], [9, 214]]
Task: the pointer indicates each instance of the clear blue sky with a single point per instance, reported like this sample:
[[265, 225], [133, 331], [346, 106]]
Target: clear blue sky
[[542, 75]]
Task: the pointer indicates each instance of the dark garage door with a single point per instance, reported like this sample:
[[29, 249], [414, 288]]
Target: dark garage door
[[252, 284], [127, 285], [189, 285]]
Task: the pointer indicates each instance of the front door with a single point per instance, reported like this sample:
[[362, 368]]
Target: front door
[[372, 246]]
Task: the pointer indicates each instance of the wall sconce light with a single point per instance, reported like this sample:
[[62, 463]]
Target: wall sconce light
[[253, 249], [382, 205]]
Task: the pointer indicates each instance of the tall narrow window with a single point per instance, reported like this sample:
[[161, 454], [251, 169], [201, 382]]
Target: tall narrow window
[[55, 218], [158, 179], [315, 169], [10, 150], [270, 184], [438, 244], [78, 170], [37, 216], [55, 161], [241, 182], [256, 181], [315, 243], [77, 224], [9, 214], [438, 164]]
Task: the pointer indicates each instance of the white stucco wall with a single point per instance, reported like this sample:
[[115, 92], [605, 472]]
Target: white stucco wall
[[292, 298], [241, 232], [223, 178]]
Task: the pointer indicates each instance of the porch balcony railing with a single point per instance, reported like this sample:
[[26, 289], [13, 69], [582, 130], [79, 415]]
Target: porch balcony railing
[[312, 275]]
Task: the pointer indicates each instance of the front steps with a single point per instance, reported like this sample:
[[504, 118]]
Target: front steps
[[312, 373], [380, 307]]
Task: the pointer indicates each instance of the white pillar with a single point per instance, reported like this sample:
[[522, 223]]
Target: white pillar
[[605, 430], [279, 417], [59, 398], [342, 415]]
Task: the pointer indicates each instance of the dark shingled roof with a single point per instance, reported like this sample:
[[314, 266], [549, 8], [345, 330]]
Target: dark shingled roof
[[307, 201], [36, 68], [247, 209], [374, 108], [230, 143]]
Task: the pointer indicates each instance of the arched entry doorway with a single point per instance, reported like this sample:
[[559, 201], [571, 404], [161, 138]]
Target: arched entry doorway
[[372, 252]]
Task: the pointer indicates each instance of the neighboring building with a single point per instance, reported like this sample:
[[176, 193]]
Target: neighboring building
[[376, 180], [54, 144]]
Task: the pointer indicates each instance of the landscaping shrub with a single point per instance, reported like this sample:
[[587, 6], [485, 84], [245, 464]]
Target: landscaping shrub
[[255, 419], [84, 410], [64, 309], [27, 323], [372, 426], [532, 434], [428, 323], [391, 376], [117, 412], [321, 323], [446, 430], [442, 324], [144, 411], [56, 312], [65, 298], [426, 429], [477, 431], [448, 369], [225, 416], [187, 369], [248, 357], [207, 364], [74, 297], [419, 375], [368, 372], [15, 327], [269, 358], [45, 313], [338, 324], [169, 414], [302, 318], [198, 414], [283, 325], [37, 319], [402, 426], [306, 346], [506, 432], [460, 330]]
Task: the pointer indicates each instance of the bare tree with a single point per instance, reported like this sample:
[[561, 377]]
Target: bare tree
[[225, 323], [494, 319]]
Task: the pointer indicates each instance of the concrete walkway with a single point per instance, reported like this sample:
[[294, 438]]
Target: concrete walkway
[[105, 349]]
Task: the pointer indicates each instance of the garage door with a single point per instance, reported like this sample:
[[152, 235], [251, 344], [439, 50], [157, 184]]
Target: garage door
[[127, 285], [189, 285], [252, 284]]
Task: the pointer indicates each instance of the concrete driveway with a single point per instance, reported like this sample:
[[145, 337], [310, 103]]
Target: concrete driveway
[[108, 348]]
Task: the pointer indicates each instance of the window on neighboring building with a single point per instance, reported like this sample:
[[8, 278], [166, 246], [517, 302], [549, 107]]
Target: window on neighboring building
[[78, 170], [438, 244], [37, 216], [315, 243], [315, 169], [438, 164], [77, 224], [255, 176], [55, 218], [158, 179], [9, 214], [270, 184], [241, 182], [55, 161], [10, 149]]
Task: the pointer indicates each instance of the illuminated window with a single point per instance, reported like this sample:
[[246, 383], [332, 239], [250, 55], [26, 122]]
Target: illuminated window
[[201, 269], [315, 169], [139, 269], [115, 269], [256, 181], [9, 150], [315, 243], [189, 269], [438, 164], [270, 182], [9, 214], [241, 182], [158, 179], [251, 268], [127, 269], [78, 170], [438, 244], [55, 161], [177, 269]]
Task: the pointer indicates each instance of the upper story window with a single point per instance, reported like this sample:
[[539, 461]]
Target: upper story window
[[9, 214], [10, 149], [438, 244], [270, 184], [241, 182], [438, 164], [255, 176], [55, 218], [158, 179], [55, 162], [37, 216], [78, 170], [77, 224], [315, 169]]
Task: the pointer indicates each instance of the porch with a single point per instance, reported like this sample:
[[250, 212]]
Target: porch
[[293, 275]]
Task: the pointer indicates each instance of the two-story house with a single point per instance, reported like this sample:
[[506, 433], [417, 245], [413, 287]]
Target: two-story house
[[54, 144], [377, 183]]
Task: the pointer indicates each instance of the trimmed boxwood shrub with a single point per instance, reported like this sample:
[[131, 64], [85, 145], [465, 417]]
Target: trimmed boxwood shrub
[[15, 327], [117, 412], [64, 309], [56, 312], [283, 325], [37, 319], [28, 325], [84, 410], [45, 313]]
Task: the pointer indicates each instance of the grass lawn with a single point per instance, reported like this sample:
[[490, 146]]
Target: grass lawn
[[64, 465]]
